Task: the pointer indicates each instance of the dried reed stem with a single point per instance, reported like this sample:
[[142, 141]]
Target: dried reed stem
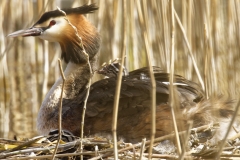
[[190, 51], [153, 100], [173, 103], [159, 139], [60, 110], [7, 48], [21, 144], [148, 46], [96, 150], [228, 130], [47, 149], [90, 79], [185, 142], [86, 142], [235, 136], [119, 83], [45, 45], [206, 42], [142, 148], [49, 156]]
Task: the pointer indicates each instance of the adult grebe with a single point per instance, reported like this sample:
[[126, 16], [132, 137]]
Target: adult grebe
[[133, 122]]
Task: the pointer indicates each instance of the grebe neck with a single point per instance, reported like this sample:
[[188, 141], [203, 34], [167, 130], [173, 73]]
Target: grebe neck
[[77, 76]]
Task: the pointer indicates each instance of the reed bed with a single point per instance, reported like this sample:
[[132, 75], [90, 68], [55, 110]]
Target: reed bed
[[209, 30]]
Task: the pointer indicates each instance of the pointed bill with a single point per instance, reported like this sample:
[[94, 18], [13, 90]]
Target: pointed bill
[[27, 32]]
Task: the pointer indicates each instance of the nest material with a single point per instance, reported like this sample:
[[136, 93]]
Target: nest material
[[98, 147]]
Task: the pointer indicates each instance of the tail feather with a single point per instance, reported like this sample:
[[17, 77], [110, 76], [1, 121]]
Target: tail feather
[[208, 110], [212, 110]]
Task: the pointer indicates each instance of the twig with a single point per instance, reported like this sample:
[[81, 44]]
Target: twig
[[57, 155], [228, 130], [60, 110], [204, 128], [148, 46], [163, 156], [160, 156], [49, 156], [186, 138], [90, 79], [206, 43], [173, 102], [104, 144], [76, 33], [96, 150], [159, 139], [13, 142], [142, 148], [62, 147], [22, 145], [190, 50], [235, 136], [118, 87]]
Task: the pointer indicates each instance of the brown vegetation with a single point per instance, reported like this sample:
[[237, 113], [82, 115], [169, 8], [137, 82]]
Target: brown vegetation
[[28, 67]]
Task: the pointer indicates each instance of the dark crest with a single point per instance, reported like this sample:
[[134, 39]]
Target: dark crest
[[85, 9]]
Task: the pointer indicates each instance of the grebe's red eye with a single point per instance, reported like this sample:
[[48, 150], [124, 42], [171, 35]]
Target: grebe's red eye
[[52, 23]]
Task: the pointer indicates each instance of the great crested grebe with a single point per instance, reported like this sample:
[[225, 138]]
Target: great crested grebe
[[134, 108]]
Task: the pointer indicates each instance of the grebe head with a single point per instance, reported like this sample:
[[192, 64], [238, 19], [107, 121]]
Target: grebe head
[[58, 26]]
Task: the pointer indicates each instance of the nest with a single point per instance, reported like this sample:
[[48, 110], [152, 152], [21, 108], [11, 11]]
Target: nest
[[198, 145]]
